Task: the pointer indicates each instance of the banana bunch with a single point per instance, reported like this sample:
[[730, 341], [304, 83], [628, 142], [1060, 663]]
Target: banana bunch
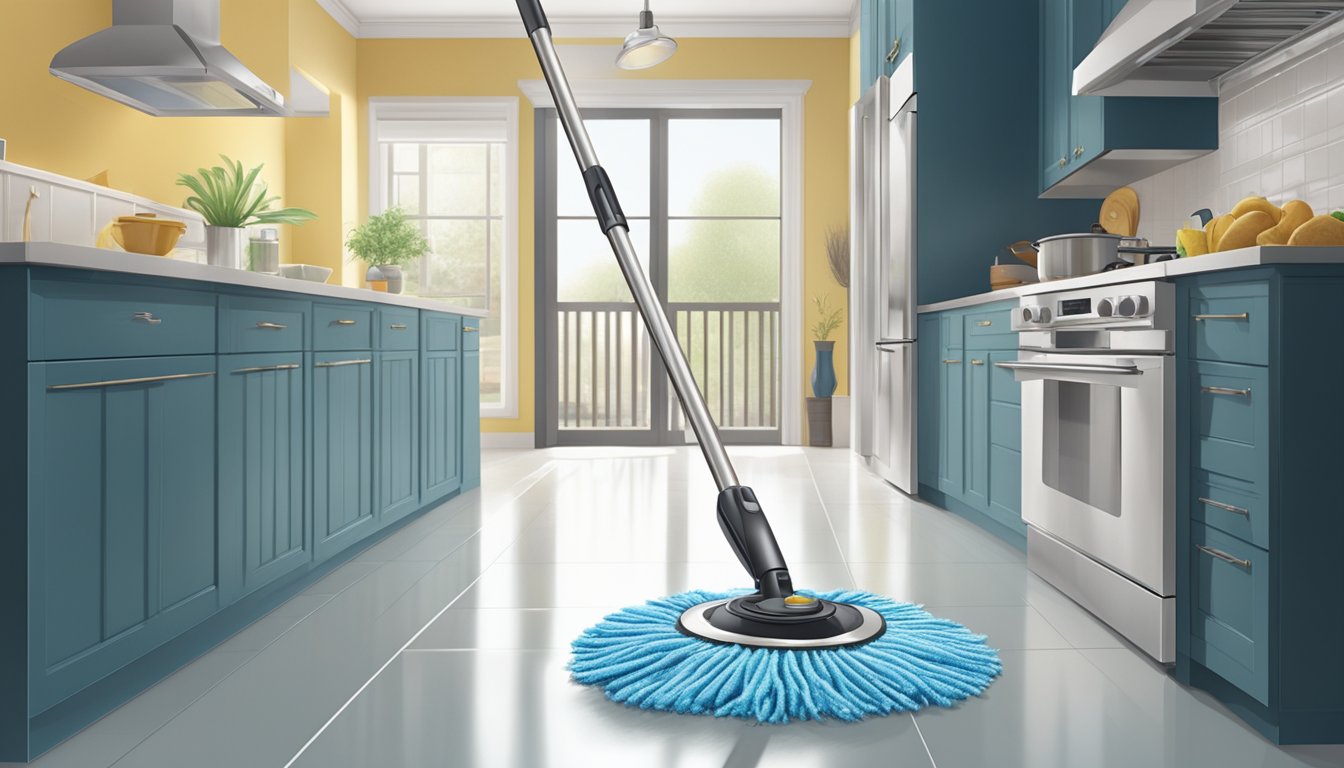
[[1256, 221]]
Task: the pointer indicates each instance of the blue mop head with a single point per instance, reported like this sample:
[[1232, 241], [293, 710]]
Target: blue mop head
[[640, 659]]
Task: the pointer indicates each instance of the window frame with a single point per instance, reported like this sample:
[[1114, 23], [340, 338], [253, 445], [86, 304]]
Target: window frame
[[449, 108]]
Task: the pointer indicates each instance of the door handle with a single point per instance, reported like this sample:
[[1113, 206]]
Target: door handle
[[977, 362], [1221, 555], [951, 362], [339, 363], [1122, 370], [345, 322], [123, 382], [1226, 391], [265, 368], [1228, 507], [1235, 316], [146, 317], [268, 325], [397, 326], [984, 323]]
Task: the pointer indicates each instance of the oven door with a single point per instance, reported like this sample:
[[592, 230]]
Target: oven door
[[1097, 446]]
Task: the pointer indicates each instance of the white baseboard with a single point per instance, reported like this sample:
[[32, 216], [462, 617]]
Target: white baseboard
[[508, 440]]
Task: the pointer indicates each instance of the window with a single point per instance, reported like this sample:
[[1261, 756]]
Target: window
[[452, 166]]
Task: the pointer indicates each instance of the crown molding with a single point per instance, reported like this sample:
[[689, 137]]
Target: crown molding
[[591, 26]]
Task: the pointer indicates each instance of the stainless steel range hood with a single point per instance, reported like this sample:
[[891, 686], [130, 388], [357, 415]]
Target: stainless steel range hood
[[1182, 47], [164, 57]]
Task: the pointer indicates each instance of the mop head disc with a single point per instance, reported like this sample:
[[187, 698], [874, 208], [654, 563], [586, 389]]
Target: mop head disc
[[638, 658]]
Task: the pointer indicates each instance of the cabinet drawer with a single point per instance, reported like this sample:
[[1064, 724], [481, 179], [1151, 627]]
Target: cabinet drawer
[[1230, 323], [471, 334], [1231, 429], [441, 332], [398, 329], [1230, 613], [990, 330], [261, 325], [76, 320], [1231, 505], [342, 326]]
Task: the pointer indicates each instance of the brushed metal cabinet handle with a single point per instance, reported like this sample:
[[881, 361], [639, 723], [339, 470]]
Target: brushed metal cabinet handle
[[345, 322], [1063, 161], [339, 363], [146, 317], [895, 50], [985, 323], [1234, 316], [1221, 505], [268, 325], [397, 326], [1221, 555], [469, 329], [977, 362], [123, 382], [1078, 151], [951, 362], [264, 368], [1226, 391]]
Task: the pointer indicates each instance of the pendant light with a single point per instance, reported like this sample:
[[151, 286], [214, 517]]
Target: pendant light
[[646, 46]]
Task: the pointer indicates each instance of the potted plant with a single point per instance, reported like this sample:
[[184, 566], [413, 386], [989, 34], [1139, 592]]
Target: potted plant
[[230, 200], [388, 241], [823, 371]]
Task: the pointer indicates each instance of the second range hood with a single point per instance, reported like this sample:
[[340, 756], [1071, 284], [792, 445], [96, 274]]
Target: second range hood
[[1182, 47], [164, 57]]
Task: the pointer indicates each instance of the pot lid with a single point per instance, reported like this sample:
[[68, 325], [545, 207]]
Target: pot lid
[[1078, 235]]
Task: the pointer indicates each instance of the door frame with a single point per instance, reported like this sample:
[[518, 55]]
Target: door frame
[[783, 95]]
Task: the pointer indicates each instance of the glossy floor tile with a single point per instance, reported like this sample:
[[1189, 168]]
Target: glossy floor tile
[[445, 644]]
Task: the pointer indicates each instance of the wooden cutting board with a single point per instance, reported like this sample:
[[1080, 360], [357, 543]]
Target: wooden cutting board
[[1120, 212]]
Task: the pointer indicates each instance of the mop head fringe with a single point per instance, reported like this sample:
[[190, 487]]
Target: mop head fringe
[[638, 658]]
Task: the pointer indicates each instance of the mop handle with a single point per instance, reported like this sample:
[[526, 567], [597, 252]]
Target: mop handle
[[612, 221]]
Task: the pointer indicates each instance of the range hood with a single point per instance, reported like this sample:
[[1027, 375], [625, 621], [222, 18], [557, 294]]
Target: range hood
[[164, 57], [1183, 47]]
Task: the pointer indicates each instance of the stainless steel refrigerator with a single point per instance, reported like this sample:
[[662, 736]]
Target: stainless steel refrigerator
[[882, 278]]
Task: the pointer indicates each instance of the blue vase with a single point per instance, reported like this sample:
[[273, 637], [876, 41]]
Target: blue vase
[[823, 372]]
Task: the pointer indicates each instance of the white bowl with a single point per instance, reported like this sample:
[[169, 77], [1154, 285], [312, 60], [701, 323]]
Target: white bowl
[[309, 272]]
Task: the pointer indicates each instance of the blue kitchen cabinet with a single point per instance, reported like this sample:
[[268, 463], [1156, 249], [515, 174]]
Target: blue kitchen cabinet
[[471, 404], [929, 398], [122, 514], [977, 429], [1005, 442], [263, 495], [441, 417], [342, 439], [952, 410], [886, 36], [398, 425], [1076, 131]]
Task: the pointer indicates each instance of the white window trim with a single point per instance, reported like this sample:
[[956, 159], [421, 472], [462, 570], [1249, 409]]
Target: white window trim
[[784, 95], [454, 108]]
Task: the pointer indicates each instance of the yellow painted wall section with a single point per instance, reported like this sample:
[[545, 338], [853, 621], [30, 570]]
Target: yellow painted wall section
[[494, 67], [59, 127]]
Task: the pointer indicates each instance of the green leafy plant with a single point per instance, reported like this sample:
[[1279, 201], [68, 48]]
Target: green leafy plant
[[388, 239], [228, 197], [828, 319], [837, 254]]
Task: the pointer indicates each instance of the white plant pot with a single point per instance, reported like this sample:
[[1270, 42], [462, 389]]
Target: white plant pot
[[394, 277], [225, 246]]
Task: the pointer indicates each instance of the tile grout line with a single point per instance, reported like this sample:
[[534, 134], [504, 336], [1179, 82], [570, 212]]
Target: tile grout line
[[920, 733], [829, 523], [415, 636]]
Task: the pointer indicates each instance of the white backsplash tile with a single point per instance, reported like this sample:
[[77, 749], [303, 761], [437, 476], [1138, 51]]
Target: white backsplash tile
[[1280, 135]]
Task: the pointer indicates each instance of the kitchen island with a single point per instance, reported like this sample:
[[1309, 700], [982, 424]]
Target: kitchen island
[[1256, 504], [187, 447]]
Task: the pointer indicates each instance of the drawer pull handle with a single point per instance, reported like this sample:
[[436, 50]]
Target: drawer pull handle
[[1226, 391], [951, 362], [264, 368], [985, 323], [1237, 316], [147, 317], [894, 51], [1221, 555], [123, 382], [397, 326], [266, 324], [345, 322], [977, 362], [469, 329], [339, 363], [1221, 505]]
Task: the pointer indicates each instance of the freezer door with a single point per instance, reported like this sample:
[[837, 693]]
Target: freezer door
[[895, 436], [898, 248], [869, 127]]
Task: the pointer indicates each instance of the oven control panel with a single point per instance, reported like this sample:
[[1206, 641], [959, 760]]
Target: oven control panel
[[1131, 305]]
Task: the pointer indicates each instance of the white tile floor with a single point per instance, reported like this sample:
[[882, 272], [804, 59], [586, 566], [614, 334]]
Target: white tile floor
[[445, 644]]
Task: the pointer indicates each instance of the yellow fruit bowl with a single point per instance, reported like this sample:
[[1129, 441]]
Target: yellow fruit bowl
[[147, 234]]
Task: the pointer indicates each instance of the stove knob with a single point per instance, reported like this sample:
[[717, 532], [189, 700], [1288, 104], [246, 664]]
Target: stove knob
[[1035, 315], [1132, 306], [1106, 307]]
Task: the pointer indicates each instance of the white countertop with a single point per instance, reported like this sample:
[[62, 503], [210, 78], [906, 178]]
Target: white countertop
[[82, 257], [1239, 259]]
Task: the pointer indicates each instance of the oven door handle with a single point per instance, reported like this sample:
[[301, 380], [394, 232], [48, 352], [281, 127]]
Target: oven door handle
[[1024, 365]]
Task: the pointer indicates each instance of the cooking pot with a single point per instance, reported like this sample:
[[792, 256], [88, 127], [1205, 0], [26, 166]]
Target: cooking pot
[[1064, 256]]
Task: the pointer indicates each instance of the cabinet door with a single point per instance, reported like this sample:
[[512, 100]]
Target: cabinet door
[[342, 439], [262, 496], [398, 427], [868, 37], [122, 514], [1056, 90], [904, 29], [952, 414], [471, 409], [1087, 114], [440, 423], [929, 398], [977, 428]]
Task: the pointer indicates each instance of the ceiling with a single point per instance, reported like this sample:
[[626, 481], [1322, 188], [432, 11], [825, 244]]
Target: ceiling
[[594, 18]]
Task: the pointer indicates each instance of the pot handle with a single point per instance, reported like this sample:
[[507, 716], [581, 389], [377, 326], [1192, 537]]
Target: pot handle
[[1023, 246]]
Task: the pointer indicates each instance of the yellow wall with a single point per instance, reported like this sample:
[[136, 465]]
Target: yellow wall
[[494, 67]]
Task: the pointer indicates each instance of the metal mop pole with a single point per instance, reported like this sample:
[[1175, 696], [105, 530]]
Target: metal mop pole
[[740, 515]]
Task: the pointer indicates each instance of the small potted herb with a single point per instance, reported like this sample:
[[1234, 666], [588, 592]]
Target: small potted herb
[[388, 241], [230, 200]]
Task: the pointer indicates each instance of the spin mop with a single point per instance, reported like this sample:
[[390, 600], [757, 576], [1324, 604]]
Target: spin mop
[[772, 654]]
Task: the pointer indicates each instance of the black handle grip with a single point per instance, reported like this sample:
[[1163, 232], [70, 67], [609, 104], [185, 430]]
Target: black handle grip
[[749, 533], [534, 17]]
